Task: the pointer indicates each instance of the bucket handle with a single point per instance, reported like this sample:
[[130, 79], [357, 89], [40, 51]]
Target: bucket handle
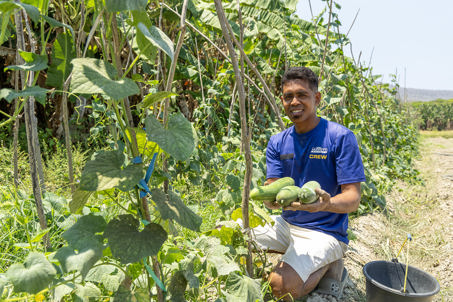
[[409, 237]]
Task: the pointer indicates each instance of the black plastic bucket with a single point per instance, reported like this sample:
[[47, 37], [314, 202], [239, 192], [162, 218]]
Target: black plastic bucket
[[385, 283]]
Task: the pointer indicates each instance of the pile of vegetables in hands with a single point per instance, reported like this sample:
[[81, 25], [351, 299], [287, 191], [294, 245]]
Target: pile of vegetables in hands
[[284, 192]]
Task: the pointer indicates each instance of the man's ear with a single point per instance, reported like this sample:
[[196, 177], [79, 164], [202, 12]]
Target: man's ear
[[318, 98]]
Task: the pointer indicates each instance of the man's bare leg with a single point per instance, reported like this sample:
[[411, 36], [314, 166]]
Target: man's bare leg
[[335, 270], [287, 284]]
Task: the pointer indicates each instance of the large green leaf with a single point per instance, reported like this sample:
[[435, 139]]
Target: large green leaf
[[37, 92], [62, 54], [55, 202], [92, 76], [187, 267], [172, 207], [84, 231], [79, 260], [8, 7], [79, 199], [62, 289], [177, 140], [32, 11], [272, 4], [33, 275], [107, 170], [254, 220], [129, 244], [157, 38], [223, 264], [4, 31], [135, 295], [109, 275], [145, 147], [121, 5], [217, 255], [86, 293], [33, 62], [233, 181], [147, 51], [177, 287], [242, 288]]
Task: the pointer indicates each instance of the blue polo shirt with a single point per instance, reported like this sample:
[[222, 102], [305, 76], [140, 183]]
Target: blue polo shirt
[[329, 154]]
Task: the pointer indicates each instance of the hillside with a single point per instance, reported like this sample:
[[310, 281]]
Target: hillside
[[414, 94]]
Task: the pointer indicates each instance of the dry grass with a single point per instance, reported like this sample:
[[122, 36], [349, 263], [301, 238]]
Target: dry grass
[[425, 211]]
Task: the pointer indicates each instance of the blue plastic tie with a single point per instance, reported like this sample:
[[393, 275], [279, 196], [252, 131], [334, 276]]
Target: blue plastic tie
[[153, 275], [143, 184], [137, 160], [150, 169], [148, 268]]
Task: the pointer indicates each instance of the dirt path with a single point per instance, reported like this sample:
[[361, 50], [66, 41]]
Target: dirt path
[[424, 211]]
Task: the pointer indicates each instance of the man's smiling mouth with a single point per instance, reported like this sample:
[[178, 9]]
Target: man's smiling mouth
[[297, 112]]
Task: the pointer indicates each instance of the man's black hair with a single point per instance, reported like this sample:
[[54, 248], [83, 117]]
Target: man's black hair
[[301, 73]]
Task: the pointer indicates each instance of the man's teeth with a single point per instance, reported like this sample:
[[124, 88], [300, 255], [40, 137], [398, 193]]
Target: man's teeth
[[297, 111]]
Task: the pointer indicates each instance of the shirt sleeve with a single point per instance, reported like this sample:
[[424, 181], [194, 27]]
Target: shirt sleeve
[[274, 168], [349, 166]]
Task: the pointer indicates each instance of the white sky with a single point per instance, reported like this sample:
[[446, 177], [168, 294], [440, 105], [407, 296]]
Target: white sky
[[408, 36]]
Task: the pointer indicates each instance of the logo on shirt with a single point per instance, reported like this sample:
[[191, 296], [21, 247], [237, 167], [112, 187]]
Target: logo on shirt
[[318, 153]]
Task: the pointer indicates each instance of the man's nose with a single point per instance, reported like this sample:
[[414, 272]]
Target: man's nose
[[295, 100]]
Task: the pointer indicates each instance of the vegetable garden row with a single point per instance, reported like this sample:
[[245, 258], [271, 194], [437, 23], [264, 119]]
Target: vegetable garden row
[[163, 111]]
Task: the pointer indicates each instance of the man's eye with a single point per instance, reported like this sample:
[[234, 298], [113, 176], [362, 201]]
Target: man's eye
[[300, 96], [288, 98]]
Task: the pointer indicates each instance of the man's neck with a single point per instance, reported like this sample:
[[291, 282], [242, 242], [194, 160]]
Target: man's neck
[[307, 125]]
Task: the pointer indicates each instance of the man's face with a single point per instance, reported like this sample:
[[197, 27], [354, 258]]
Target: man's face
[[300, 103]]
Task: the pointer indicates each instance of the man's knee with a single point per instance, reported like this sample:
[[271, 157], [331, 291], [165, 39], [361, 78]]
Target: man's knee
[[286, 283]]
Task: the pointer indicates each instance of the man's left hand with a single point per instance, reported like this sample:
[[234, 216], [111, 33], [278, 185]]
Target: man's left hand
[[321, 204]]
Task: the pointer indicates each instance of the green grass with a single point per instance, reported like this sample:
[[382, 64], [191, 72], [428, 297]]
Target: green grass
[[444, 134], [439, 101]]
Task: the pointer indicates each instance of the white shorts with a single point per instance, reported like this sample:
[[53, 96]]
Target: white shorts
[[304, 250]]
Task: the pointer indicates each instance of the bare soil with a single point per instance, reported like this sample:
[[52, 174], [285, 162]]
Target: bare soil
[[424, 210]]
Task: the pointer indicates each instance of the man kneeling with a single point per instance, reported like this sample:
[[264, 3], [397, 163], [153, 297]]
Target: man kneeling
[[312, 237]]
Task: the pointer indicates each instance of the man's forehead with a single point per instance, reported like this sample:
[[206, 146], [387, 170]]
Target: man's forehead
[[297, 84]]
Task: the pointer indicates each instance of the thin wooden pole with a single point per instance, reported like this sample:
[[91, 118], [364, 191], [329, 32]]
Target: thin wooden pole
[[34, 153], [245, 143]]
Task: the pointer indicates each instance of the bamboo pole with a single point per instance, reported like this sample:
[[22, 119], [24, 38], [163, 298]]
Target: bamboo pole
[[19, 80], [33, 119], [245, 143], [34, 153], [67, 133]]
